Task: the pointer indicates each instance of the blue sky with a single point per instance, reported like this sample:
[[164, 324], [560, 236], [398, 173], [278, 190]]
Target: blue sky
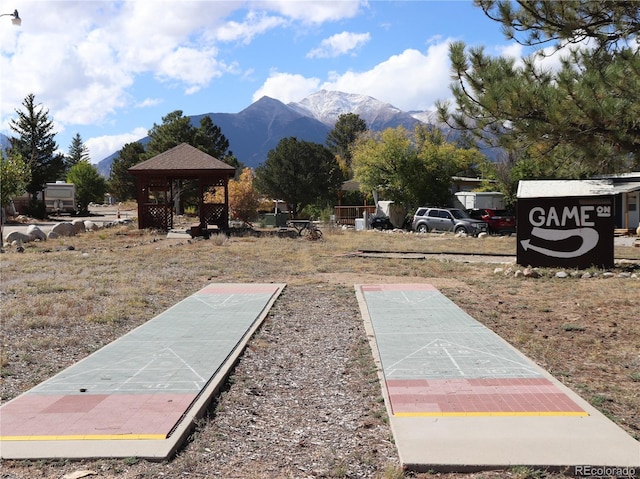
[[109, 70]]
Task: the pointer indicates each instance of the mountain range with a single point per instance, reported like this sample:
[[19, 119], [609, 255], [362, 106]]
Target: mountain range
[[257, 129]]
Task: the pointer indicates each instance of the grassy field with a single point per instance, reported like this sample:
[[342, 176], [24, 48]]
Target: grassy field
[[62, 299]]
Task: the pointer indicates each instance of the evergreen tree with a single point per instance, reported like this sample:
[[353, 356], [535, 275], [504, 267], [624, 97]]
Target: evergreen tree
[[78, 152], [209, 138], [536, 22], [122, 183], [344, 134], [36, 145], [301, 173], [174, 130], [584, 114]]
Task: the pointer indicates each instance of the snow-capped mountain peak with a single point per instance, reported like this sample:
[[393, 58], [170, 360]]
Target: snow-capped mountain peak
[[326, 106]]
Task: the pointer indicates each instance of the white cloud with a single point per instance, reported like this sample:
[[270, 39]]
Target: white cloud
[[411, 80], [255, 24], [512, 50], [317, 11], [102, 146], [190, 66], [149, 102], [339, 44], [287, 87], [81, 58]]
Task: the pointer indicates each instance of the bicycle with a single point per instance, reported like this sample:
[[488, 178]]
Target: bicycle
[[312, 233]]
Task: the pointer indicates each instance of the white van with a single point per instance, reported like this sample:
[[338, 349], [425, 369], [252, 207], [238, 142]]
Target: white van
[[60, 197]]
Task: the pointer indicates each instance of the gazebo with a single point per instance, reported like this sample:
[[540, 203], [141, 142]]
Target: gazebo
[[157, 177]]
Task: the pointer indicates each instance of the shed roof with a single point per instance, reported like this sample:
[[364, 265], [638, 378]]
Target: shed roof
[[350, 185], [621, 177], [564, 188], [183, 157]]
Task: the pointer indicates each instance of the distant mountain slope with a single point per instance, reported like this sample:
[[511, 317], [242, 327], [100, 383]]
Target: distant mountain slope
[[4, 142], [257, 129]]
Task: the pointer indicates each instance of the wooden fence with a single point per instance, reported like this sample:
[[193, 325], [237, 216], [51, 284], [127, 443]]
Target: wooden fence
[[346, 215]]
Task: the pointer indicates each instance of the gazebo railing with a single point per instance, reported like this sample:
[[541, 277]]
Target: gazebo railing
[[153, 215], [215, 214]]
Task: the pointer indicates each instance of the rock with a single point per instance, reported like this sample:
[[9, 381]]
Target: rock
[[78, 226], [483, 235], [586, 275], [562, 274], [518, 273], [53, 235], [608, 274], [35, 233], [63, 229], [90, 225], [498, 271], [18, 237], [638, 230], [530, 273], [79, 474]]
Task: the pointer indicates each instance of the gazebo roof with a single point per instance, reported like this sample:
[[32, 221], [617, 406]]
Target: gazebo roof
[[182, 158]]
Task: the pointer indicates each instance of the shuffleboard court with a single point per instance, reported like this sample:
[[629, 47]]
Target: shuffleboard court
[[144, 387], [461, 398]]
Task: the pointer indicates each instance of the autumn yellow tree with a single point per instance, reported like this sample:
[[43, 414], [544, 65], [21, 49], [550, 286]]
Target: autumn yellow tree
[[243, 197], [412, 169]]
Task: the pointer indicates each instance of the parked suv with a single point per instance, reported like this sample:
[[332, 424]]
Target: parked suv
[[499, 221], [446, 219]]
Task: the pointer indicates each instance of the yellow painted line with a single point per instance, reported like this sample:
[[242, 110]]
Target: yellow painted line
[[85, 437], [491, 413]]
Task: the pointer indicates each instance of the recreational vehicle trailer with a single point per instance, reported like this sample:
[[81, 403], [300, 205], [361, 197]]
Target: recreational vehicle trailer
[[60, 197]]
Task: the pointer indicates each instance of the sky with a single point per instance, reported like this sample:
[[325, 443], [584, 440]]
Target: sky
[[110, 70]]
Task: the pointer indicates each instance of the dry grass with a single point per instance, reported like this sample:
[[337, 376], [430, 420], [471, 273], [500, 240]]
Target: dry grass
[[63, 299]]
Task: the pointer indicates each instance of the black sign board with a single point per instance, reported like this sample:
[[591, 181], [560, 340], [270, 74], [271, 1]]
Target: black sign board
[[566, 232]]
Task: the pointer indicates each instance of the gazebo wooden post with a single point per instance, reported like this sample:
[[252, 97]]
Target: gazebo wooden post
[[226, 201], [142, 196], [201, 211], [169, 201]]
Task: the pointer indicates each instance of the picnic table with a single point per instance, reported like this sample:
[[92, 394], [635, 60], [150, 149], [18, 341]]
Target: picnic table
[[299, 225]]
